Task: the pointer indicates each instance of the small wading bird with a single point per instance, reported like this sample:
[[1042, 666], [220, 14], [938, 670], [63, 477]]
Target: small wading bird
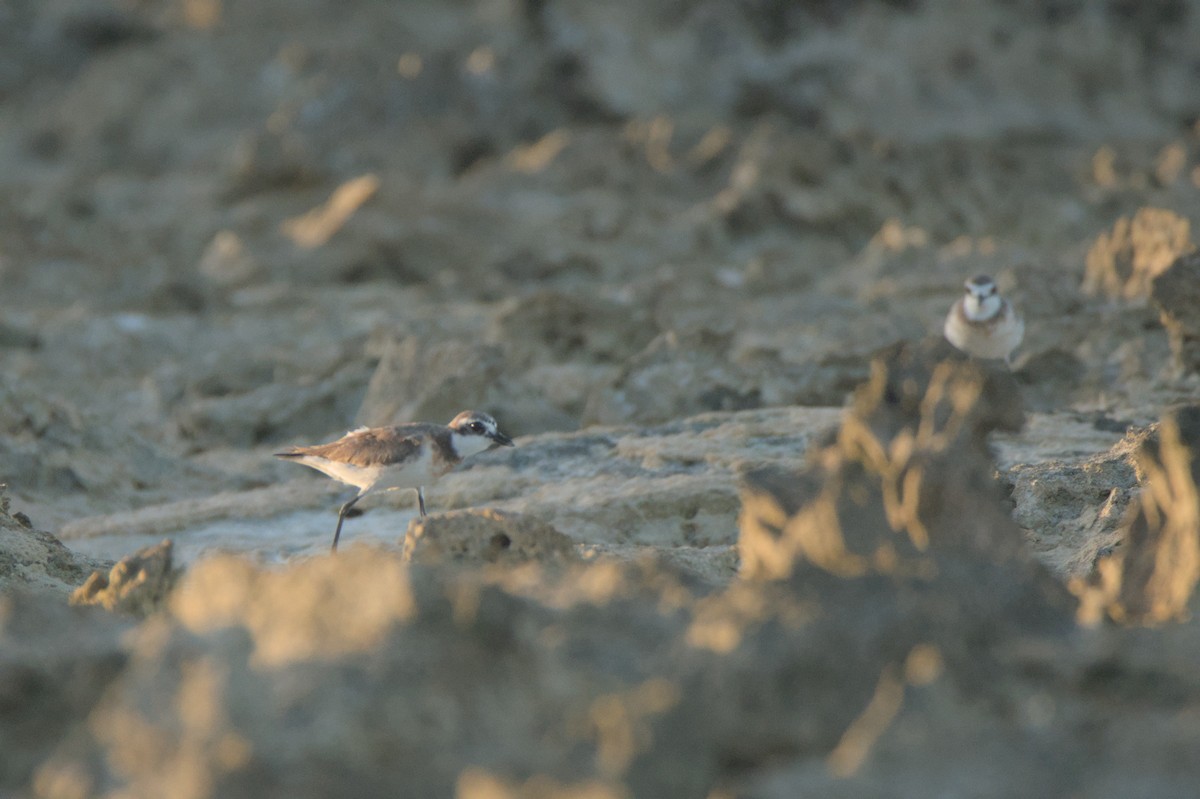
[[982, 323], [406, 456]]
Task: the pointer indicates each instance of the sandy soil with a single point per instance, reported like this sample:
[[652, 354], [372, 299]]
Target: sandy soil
[[661, 243]]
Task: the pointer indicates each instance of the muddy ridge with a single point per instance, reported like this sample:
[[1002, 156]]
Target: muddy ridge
[[765, 533]]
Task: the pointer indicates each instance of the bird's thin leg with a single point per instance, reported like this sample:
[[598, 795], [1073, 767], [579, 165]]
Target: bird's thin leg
[[421, 499], [341, 517]]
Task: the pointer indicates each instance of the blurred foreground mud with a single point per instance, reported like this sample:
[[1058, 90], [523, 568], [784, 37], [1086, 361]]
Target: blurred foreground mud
[[749, 546]]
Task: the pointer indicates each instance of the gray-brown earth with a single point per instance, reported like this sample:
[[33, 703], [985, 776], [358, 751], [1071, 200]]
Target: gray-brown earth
[[661, 243]]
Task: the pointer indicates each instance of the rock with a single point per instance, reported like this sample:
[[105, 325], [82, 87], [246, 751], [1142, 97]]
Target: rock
[[484, 536], [704, 569], [823, 382], [1072, 508], [340, 605], [786, 186], [55, 664], [13, 337], [874, 640], [35, 560], [262, 161], [557, 326], [666, 486], [676, 375], [1176, 292], [350, 651], [567, 386], [271, 413], [227, 264], [417, 381], [1124, 263], [910, 383], [1152, 577], [605, 674], [909, 473], [50, 445], [137, 585], [1050, 378]]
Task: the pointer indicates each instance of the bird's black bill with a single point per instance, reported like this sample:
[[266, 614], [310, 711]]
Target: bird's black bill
[[502, 439]]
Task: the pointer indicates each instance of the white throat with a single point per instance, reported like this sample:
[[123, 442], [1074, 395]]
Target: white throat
[[466, 446], [981, 310]]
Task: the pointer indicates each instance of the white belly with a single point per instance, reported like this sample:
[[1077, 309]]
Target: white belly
[[995, 341], [412, 474]]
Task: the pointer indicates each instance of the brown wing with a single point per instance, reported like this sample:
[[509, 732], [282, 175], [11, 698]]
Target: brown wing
[[368, 447]]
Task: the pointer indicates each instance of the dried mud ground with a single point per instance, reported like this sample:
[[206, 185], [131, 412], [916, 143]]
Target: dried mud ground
[[745, 547]]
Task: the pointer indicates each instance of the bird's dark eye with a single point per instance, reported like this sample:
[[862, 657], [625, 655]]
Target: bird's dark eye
[[476, 427]]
